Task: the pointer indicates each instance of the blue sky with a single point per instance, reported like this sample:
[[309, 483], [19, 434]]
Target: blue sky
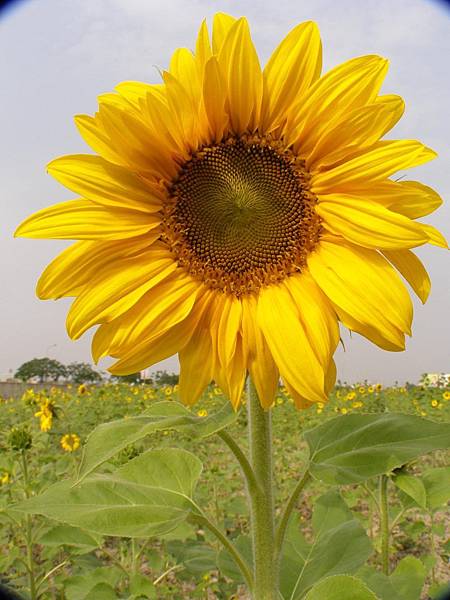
[[61, 55]]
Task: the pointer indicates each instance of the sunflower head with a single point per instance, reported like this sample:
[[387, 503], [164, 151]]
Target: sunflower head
[[236, 214]]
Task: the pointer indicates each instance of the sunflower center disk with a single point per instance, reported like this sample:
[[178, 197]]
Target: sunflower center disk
[[240, 215]]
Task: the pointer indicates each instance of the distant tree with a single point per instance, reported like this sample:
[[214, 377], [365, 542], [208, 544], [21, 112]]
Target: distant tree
[[46, 369], [81, 372], [165, 378], [131, 378]]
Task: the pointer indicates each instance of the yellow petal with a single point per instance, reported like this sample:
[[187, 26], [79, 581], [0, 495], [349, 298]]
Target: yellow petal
[[375, 164], [85, 220], [260, 363], [369, 224], [117, 288], [229, 327], [203, 49], [214, 99], [164, 306], [222, 24], [330, 377], [294, 65], [409, 198], [196, 360], [150, 351], [240, 65], [232, 379], [78, 264], [344, 88], [134, 91], [184, 68], [184, 110], [94, 134], [412, 269], [300, 401], [364, 285], [147, 355], [289, 344], [136, 143], [392, 340], [435, 237], [316, 314], [356, 130], [96, 179]]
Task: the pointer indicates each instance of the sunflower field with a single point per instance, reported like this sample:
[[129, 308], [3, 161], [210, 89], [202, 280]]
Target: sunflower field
[[44, 556]]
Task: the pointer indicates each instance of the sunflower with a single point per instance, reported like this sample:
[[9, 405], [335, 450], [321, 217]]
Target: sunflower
[[236, 215], [70, 442]]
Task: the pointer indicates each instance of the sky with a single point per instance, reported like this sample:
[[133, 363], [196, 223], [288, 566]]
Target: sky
[[59, 55]]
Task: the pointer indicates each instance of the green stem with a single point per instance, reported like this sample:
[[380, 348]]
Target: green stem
[[432, 547], [283, 523], [384, 524], [28, 531], [243, 461], [261, 498], [203, 520]]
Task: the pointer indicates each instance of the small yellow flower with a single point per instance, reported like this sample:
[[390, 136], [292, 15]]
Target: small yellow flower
[[279, 400], [350, 396], [202, 413], [370, 389], [357, 404], [362, 389], [423, 413], [70, 442], [168, 390], [5, 478], [319, 411], [320, 405], [46, 413], [378, 387], [217, 391], [434, 403], [176, 387], [344, 411], [82, 389], [446, 395]]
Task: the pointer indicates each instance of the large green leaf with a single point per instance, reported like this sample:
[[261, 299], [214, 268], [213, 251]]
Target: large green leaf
[[405, 583], [110, 438], [437, 486], [341, 587], [150, 495], [413, 487], [197, 558], [64, 535], [97, 583], [353, 448], [225, 561], [340, 546]]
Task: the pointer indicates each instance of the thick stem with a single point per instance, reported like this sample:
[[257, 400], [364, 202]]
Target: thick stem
[[261, 499], [384, 524]]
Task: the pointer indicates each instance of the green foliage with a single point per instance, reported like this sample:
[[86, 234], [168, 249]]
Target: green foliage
[[110, 438], [165, 378], [405, 583], [340, 546], [149, 495], [341, 587], [45, 369], [81, 372], [130, 457], [356, 447]]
